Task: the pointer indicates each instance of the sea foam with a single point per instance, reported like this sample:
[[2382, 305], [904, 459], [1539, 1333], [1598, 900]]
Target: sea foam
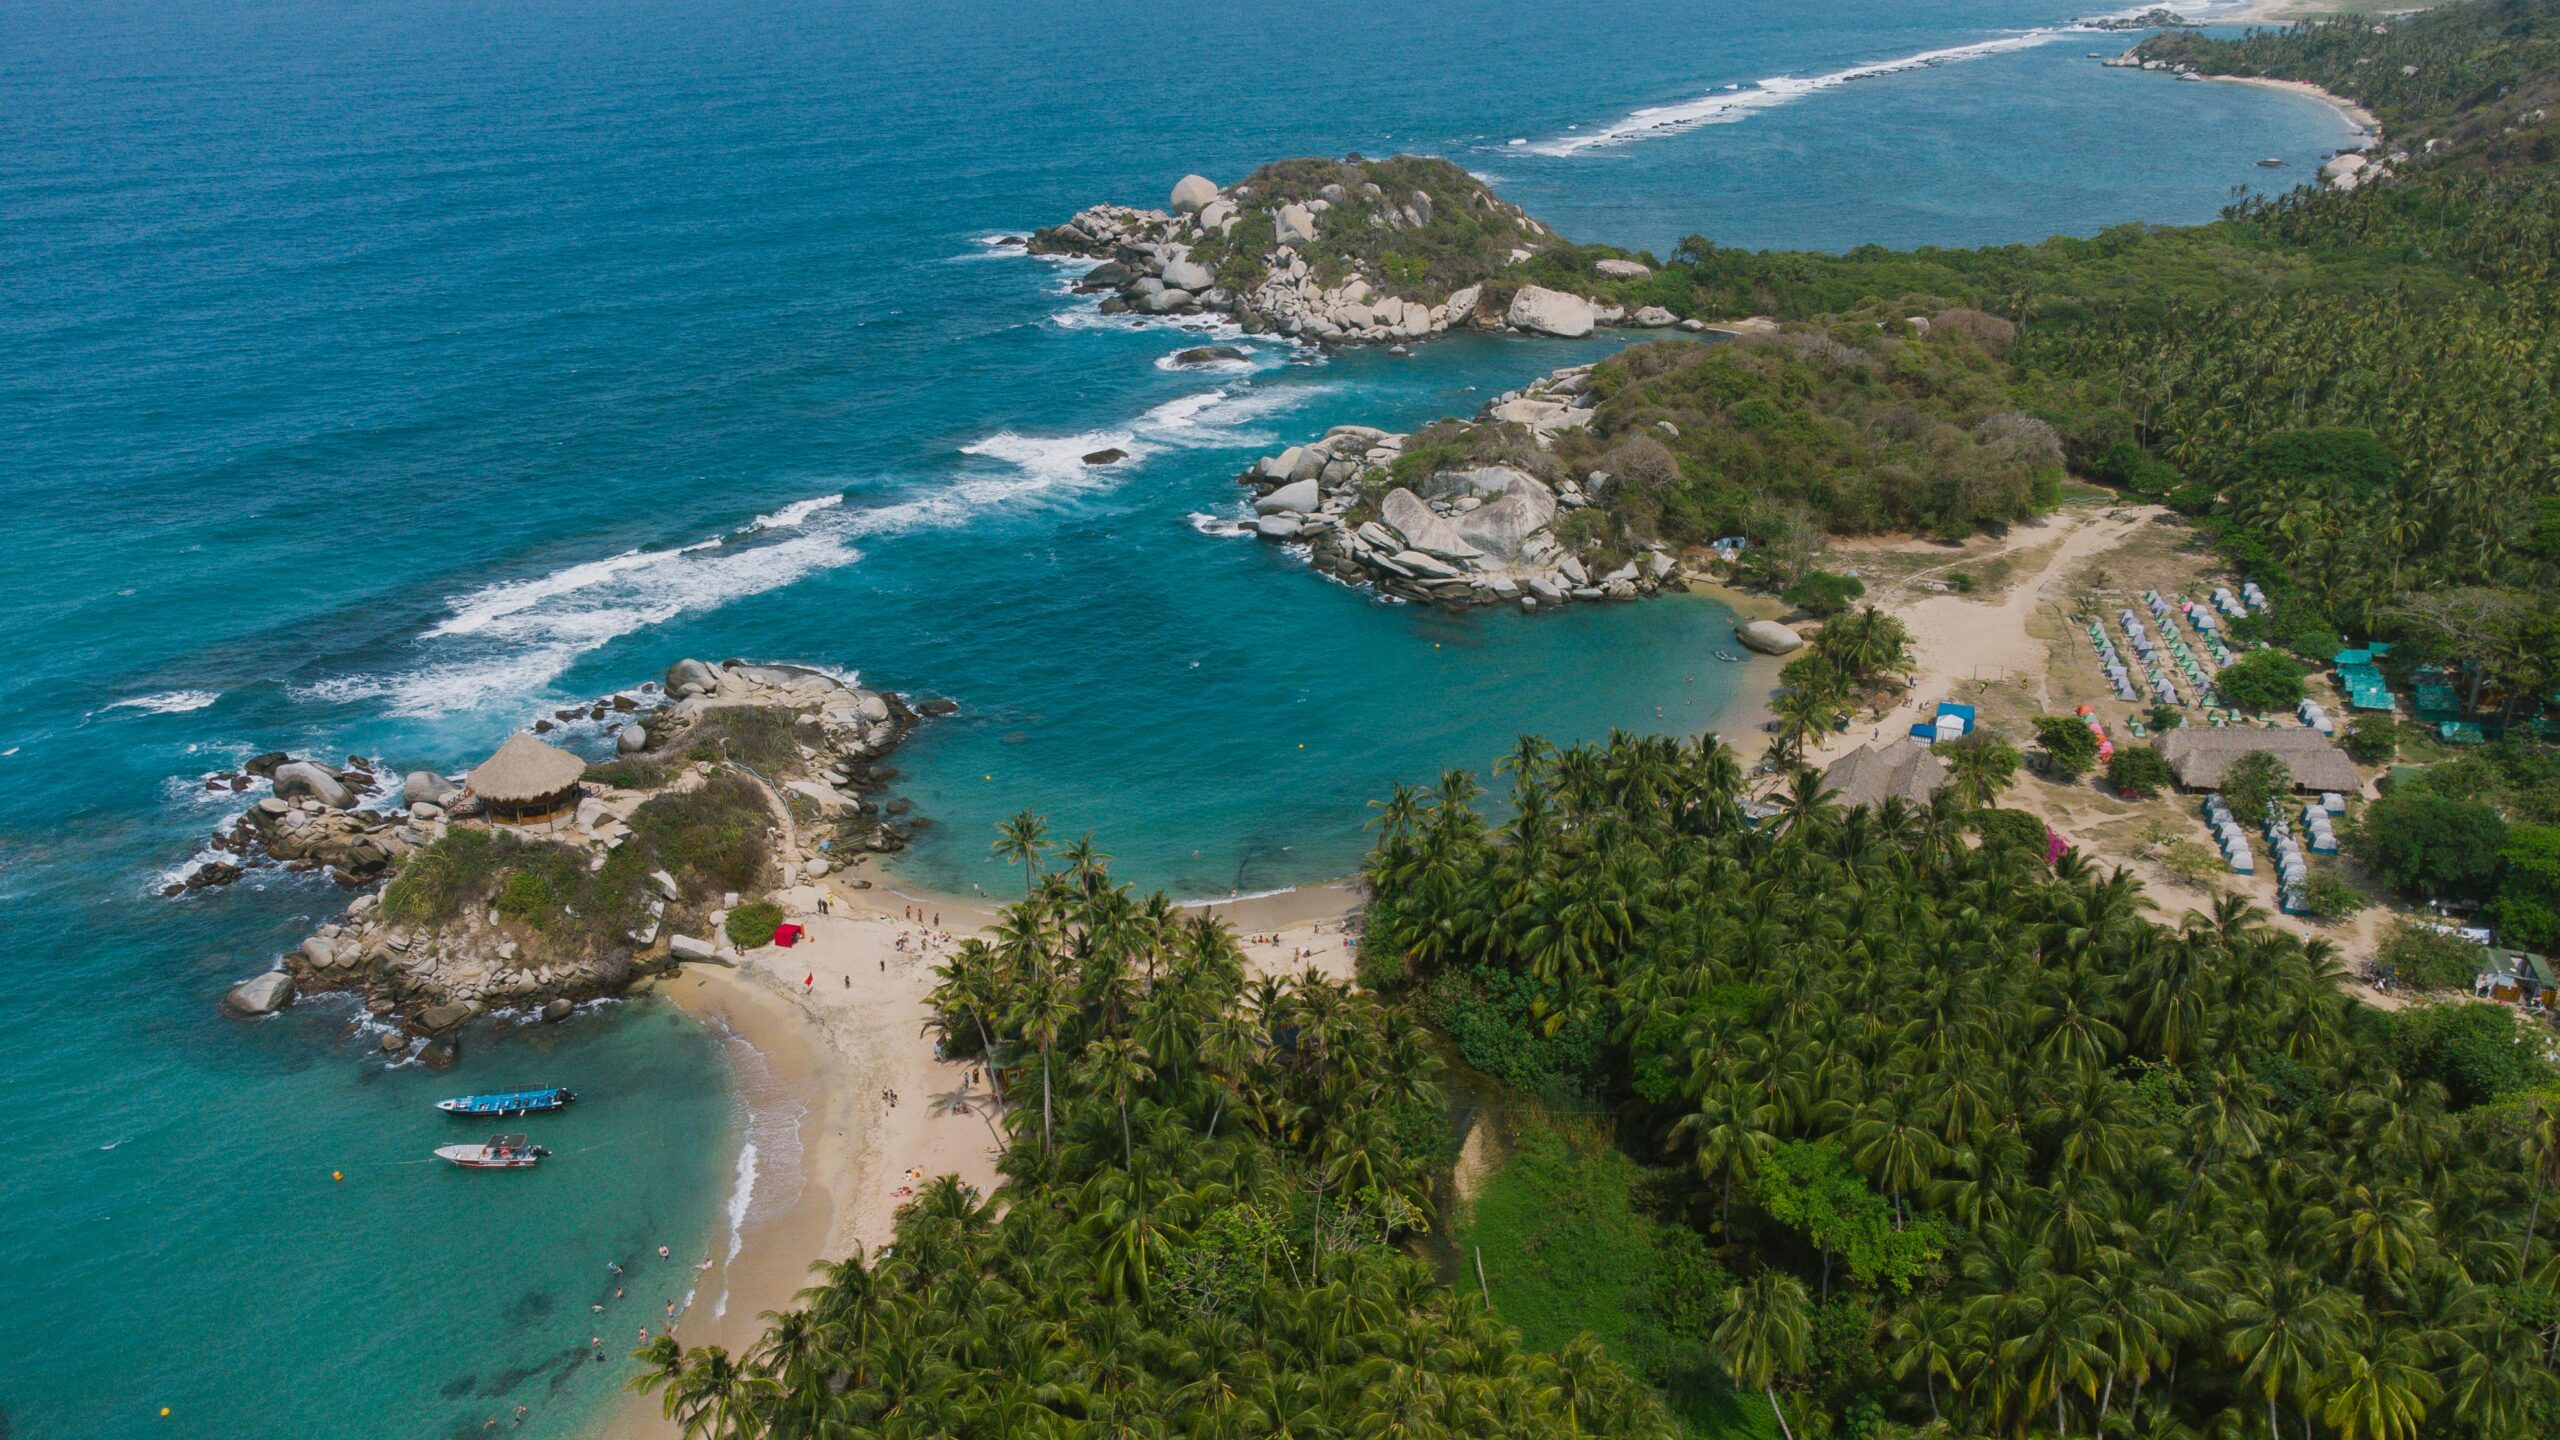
[[503, 643], [1725, 107], [167, 702]]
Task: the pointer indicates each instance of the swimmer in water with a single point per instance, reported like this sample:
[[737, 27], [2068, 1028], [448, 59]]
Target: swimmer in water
[[662, 1252]]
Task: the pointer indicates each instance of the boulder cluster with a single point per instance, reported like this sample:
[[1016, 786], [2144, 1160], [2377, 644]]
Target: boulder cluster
[[1462, 535], [310, 819]]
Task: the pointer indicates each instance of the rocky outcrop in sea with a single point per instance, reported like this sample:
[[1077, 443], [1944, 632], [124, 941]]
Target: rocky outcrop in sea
[[1347, 252], [1460, 533], [822, 744]]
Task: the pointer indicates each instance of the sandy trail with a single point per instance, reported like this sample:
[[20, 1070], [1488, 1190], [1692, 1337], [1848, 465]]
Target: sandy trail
[[1959, 644]]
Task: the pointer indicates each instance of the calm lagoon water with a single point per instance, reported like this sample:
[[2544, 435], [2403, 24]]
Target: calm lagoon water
[[377, 375]]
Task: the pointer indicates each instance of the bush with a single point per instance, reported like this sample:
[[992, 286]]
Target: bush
[[759, 735], [711, 838], [2331, 898], [630, 775], [1497, 1018], [2261, 680], [2140, 771], [2068, 745], [2528, 905], [1823, 593], [2371, 739], [2010, 829], [2429, 845], [2254, 782], [444, 879], [2474, 1051], [2426, 958], [753, 923]]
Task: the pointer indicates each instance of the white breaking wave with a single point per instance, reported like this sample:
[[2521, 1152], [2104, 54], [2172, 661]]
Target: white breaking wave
[[1727, 106], [502, 644], [168, 702], [797, 513], [1223, 527], [739, 1199]]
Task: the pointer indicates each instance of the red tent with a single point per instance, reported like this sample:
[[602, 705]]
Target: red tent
[[786, 936]]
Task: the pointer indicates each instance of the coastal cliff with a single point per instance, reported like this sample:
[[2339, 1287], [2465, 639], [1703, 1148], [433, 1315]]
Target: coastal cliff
[[739, 782], [1347, 252]]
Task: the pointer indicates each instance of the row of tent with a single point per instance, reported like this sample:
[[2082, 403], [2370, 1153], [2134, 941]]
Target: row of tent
[[2119, 675], [2320, 829], [2293, 868], [2316, 715], [2228, 836]]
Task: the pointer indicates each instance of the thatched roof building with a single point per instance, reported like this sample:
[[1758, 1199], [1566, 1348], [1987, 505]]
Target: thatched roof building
[[2201, 757], [1901, 766], [527, 781]]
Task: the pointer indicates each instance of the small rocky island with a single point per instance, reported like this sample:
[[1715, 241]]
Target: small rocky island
[[539, 880], [1351, 252], [1463, 513]]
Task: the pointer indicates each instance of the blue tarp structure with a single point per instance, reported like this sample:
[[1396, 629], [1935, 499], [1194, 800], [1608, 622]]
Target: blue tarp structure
[[1961, 712]]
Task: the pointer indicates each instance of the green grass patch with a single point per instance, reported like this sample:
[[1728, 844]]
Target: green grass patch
[[631, 775], [753, 923], [760, 735], [1569, 1248], [711, 838]]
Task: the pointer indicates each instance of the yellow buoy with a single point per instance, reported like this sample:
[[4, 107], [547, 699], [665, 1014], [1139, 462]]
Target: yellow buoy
[[164, 1412], [337, 1174]]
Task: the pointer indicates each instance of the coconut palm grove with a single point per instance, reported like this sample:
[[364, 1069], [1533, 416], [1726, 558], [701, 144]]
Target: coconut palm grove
[[1922, 1129]]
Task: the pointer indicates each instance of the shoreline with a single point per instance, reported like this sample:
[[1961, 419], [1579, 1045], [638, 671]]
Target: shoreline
[[2369, 129], [829, 1027]]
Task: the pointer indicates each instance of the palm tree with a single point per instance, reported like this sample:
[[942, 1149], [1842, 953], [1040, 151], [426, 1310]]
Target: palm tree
[[2540, 1148], [1763, 1337], [2380, 1396], [1119, 1065], [1979, 767], [2283, 1325], [1048, 1007], [1022, 840], [1926, 1337]]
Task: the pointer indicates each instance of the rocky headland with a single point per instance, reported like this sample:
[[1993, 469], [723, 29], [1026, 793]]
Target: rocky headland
[[729, 784], [1464, 513], [1350, 252]]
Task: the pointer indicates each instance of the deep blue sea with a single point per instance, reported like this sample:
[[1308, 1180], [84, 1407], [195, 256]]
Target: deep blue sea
[[374, 376]]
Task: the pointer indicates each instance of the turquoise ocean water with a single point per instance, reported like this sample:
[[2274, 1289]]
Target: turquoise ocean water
[[374, 376]]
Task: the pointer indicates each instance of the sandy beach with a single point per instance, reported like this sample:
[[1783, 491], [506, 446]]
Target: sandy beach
[[823, 1033], [2355, 114]]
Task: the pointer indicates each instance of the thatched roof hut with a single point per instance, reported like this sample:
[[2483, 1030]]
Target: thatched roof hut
[[1901, 766], [527, 780], [2201, 757]]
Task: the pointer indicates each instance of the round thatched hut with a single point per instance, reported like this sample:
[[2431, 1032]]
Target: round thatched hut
[[527, 782]]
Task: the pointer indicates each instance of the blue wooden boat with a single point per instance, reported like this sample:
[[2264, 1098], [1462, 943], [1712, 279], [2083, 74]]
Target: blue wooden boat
[[508, 1102]]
